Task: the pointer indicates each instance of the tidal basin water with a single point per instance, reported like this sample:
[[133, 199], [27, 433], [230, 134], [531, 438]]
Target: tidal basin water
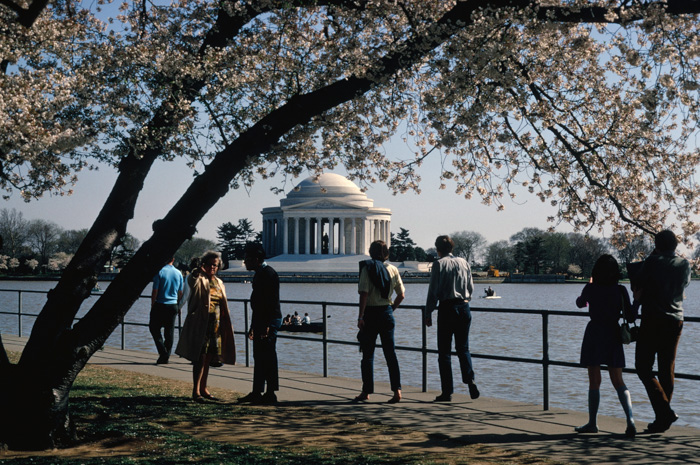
[[509, 335]]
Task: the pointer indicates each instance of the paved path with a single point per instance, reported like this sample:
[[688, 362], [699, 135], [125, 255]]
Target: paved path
[[501, 423]]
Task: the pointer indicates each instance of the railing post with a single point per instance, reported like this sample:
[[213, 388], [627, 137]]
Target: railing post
[[245, 337], [424, 349], [19, 313], [545, 359], [123, 335], [325, 340]]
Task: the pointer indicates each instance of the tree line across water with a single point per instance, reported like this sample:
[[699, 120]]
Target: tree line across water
[[40, 246]]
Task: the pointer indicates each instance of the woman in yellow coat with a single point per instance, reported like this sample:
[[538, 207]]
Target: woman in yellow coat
[[207, 333]]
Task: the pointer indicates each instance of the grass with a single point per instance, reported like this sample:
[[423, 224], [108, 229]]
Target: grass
[[129, 418]]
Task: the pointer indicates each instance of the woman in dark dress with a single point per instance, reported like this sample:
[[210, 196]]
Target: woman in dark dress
[[602, 345]]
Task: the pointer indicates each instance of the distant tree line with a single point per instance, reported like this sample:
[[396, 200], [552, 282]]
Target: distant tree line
[[40, 246], [530, 251]]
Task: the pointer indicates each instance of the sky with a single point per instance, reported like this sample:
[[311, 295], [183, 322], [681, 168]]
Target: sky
[[425, 215]]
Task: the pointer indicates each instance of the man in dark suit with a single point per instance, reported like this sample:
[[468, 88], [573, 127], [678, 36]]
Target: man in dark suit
[[265, 322]]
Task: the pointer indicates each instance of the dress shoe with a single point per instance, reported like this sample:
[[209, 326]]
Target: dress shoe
[[253, 397], [631, 431], [661, 425], [587, 428], [474, 391], [444, 398], [269, 398], [162, 360]]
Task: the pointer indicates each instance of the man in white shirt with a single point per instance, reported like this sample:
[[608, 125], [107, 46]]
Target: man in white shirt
[[451, 285]]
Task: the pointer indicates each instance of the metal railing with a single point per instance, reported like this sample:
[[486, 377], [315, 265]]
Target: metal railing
[[545, 362]]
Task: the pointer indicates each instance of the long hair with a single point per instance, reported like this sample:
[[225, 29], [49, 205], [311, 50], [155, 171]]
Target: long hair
[[606, 270]]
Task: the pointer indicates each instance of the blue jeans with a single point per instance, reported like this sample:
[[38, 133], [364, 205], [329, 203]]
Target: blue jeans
[[378, 321], [454, 319], [265, 369]]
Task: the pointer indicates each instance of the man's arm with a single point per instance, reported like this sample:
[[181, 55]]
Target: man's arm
[[432, 299], [397, 301], [361, 313]]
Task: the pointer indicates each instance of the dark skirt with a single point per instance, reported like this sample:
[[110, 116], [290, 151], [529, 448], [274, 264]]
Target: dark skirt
[[602, 345]]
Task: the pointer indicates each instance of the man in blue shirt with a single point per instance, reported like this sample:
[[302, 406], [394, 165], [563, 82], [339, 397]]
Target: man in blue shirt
[[451, 284], [167, 292]]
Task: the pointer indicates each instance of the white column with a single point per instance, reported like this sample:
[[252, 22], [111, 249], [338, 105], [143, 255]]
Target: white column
[[307, 233], [274, 236], [296, 236], [319, 236], [353, 235], [285, 236], [363, 236], [331, 235], [264, 231], [388, 233], [342, 249]]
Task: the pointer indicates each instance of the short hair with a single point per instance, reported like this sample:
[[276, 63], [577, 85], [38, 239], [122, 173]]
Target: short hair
[[444, 244], [208, 255], [665, 241], [255, 249], [606, 270], [378, 250]]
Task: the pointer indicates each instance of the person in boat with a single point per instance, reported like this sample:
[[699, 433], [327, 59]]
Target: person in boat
[[306, 320], [296, 319], [287, 320], [490, 292], [376, 317]]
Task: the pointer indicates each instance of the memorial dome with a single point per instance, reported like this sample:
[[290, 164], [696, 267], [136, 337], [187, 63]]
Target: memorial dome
[[327, 186], [322, 216]]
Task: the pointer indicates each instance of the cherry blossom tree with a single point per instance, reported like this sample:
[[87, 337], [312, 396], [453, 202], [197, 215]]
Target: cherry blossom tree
[[589, 106]]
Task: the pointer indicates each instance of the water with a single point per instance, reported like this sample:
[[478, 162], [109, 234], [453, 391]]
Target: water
[[511, 335]]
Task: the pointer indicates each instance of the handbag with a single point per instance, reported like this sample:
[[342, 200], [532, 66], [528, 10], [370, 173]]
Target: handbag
[[627, 334]]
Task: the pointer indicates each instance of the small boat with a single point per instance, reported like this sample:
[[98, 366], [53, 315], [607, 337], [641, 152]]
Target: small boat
[[313, 327], [490, 296]]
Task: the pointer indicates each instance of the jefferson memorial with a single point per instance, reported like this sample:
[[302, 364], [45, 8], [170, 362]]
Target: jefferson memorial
[[324, 224]]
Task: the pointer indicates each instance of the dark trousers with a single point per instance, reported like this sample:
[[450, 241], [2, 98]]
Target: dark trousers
[[265, 358], [379, 321], [163, 316], [454, 319], [658, 337]]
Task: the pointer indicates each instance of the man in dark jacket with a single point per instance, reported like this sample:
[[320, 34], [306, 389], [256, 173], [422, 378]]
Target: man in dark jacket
[[265, 322], [659, 286]]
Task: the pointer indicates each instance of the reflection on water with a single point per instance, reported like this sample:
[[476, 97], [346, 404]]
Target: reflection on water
[[495, 334]]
